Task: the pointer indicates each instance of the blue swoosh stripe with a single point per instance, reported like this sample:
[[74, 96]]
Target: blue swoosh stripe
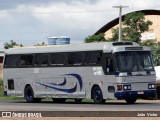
[[71, 90], [60, 84], [78, 78]]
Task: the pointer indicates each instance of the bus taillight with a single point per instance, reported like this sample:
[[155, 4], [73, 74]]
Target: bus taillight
[[119, 87]]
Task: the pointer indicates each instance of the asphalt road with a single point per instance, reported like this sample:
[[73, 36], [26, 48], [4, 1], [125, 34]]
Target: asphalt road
[[114, 105]]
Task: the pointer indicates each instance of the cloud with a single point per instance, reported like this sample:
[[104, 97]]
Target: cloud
[[4, 14], [79, 15], [11, 4], [34, 20]]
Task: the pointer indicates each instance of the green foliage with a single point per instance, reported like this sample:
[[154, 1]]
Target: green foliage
[[114, 35], [155, 48], [95, 38], [1, 87], [2, 97], [135, 25], [11, 44]]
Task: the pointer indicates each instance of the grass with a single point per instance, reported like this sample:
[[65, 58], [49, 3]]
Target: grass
[[2, 97], [1, 88]]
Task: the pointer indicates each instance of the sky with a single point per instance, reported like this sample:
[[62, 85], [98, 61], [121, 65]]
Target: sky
[[29, 22]]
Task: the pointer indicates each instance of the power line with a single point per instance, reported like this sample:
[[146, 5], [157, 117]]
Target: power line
[[47, 31], [61, 12]]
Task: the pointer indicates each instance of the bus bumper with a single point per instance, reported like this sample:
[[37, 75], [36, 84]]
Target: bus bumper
[[148, 94]]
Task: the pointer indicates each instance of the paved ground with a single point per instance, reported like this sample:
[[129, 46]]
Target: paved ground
[[141, 105]]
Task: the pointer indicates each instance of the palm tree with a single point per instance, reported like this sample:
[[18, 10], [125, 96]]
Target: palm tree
[[11, 44]]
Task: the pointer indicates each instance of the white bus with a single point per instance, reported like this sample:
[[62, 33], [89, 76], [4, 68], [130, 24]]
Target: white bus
[[98, 71]]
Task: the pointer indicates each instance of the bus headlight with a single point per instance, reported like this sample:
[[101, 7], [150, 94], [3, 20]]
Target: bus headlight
[[151, 86], [127, 87]]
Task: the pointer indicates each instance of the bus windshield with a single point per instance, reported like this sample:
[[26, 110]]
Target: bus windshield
[[132, 61]]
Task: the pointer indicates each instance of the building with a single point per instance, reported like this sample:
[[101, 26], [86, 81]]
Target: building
[[152, 34], [58, 40]]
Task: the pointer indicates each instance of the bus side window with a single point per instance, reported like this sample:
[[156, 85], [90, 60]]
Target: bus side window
[[26, 60], [37, 59], [109, 65], [99, 58], [93, 58], [57, 58], [11, 60], [44, 59], [75, 58], [41, 59]]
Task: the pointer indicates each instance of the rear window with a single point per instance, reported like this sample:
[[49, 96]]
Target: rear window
[[11, 60]]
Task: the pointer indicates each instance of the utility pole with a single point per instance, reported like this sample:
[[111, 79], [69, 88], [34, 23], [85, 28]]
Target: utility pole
[[120, 21]]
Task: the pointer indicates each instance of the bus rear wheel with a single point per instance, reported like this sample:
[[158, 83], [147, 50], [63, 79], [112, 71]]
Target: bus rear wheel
[[29, 95], [130, 100], [97, 95]]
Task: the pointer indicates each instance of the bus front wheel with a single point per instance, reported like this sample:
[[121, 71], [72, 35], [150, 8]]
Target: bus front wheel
[[29, 95], [97, 95], [130, 100]]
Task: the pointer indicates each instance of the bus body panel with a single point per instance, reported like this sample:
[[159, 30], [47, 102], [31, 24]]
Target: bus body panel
[[77, 81]]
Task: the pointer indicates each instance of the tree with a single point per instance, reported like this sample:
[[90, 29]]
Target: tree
[[135, 24], [115, 34], [41, 44], [155, 49], [95, 38], [11, 44]]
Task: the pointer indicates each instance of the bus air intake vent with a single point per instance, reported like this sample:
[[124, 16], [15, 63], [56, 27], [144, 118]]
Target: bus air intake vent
[[133, 48], [121, 43]]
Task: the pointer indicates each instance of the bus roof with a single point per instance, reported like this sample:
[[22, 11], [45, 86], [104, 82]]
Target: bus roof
[[69, 47]]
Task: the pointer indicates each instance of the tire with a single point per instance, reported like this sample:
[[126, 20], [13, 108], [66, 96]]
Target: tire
[[59, 100], [29, 95], [97, 95], [130, 100], [78, 100], [158, 93]]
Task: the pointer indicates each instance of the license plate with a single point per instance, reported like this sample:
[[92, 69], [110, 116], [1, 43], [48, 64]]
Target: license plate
[[140, 93]]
